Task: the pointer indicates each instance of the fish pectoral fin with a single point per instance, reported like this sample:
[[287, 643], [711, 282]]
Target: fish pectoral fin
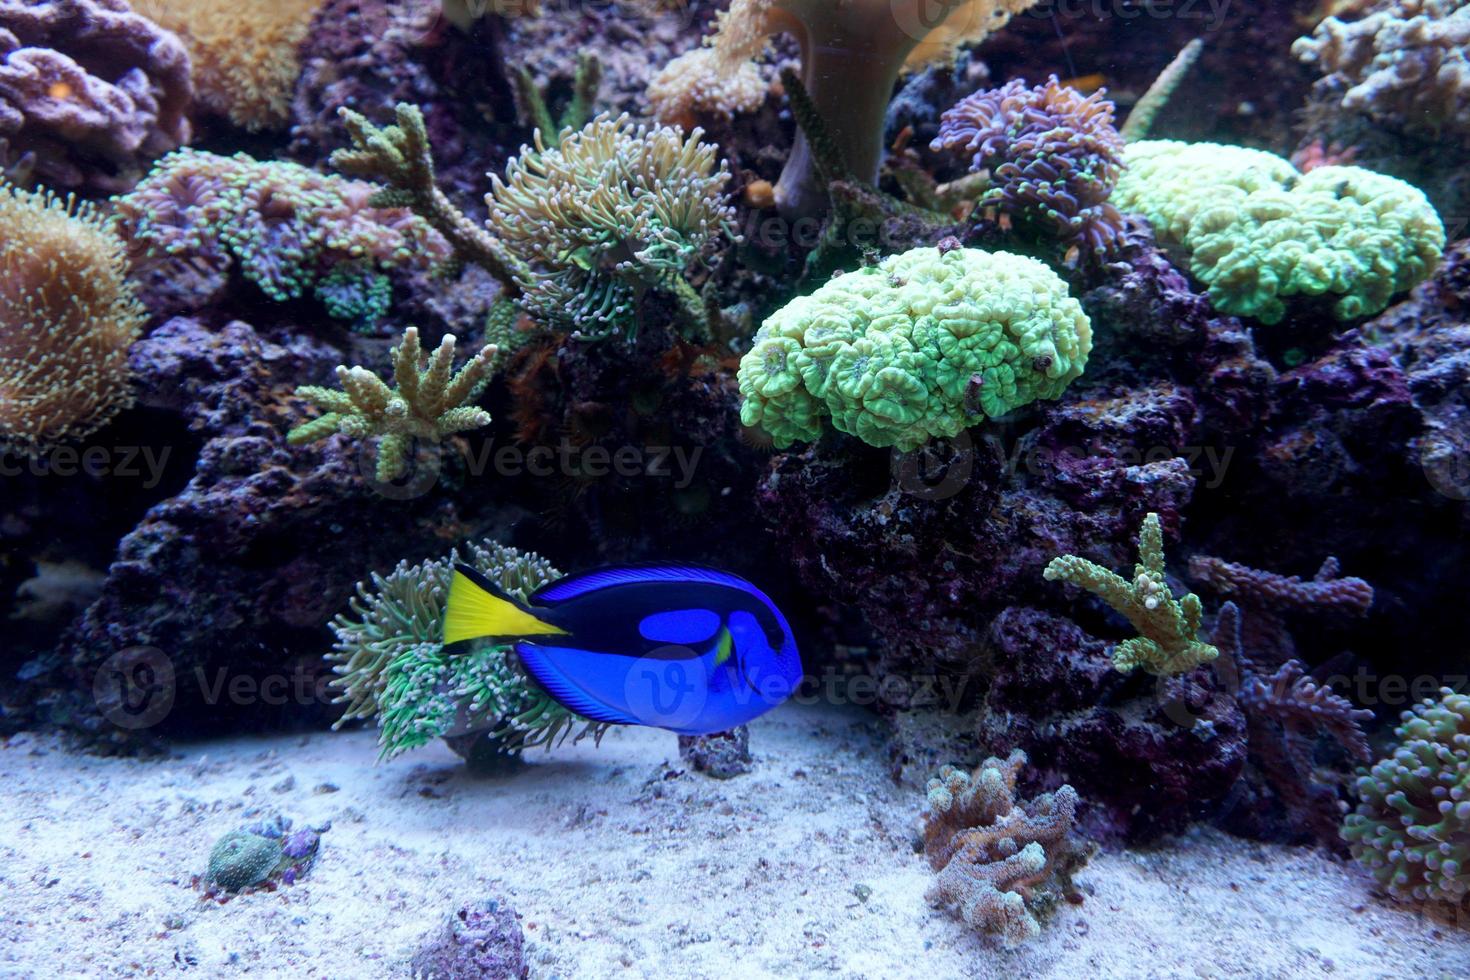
[[565, 692], [477, 607]]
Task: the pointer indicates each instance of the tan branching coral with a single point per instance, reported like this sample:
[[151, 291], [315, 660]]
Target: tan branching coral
[[1168, 643], [851, 55], [67, 318], [244, 52], [424, 403], [999, 862]]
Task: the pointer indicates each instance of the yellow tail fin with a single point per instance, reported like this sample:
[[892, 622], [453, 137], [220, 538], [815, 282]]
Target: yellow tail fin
[[477, 609]]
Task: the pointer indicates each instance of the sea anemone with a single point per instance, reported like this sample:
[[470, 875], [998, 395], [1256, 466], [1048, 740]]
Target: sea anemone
[[1053, 157], [67, 318]]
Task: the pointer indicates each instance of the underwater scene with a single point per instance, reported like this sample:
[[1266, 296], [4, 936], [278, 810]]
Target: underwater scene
[[565, 489]]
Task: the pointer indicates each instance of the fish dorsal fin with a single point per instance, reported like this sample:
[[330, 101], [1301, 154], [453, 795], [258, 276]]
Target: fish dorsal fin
[[581, 583]]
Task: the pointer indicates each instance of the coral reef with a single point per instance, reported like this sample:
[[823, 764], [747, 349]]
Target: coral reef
[[67, 317], [1257, 232], [1411, 827], [391, 664], [851, 56], [481, 941], [1169, 627], [999, 862], [244, 53], [1404, 65], [427, 402], [288, 230], [1053, 157], [697, 84], [610, 212], [89, 91], [924, 344]]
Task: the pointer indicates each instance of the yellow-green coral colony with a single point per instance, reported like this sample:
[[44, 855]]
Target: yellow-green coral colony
[[1168, 642], [1258, 233], [428, 401], [922, 345]]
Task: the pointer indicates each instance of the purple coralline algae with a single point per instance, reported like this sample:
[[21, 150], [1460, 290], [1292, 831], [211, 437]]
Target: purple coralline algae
[[481, 941]]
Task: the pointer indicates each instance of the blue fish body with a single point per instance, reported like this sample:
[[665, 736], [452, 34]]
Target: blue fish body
[[688, 649]]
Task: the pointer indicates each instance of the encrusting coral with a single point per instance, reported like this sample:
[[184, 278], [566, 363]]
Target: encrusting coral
[[265, 853], [425, 402], [922, 345], [392, 665], [1258, 232], [999, 862], [1169, 642], [286, 228], [89, 90], [244, 53], [1404, 64], [68, 315], [611, 211], [1053, 157], [1411, 827], [851, 56]]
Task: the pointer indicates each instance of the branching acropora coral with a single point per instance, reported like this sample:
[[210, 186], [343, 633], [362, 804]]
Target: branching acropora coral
[[1053, 157], [851, 56], [399, 156], [922, 345], [425, 402], [288, 229], [1411, 827], [1169, 627], [391, 664], [1327, 590], [245, 53], [999, 862], [611, 211], [1257, 232], [67, 318]]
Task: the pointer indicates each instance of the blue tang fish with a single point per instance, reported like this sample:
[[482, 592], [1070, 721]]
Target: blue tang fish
[[688, 649]]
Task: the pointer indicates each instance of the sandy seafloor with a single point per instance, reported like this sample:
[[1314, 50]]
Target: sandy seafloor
[[622, 864]]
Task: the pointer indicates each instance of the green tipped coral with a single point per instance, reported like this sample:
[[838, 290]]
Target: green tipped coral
[[922, 345], [426, 402], [1258, 232], [609, 212], [1411, 828], [391, 663], [1169, 627]]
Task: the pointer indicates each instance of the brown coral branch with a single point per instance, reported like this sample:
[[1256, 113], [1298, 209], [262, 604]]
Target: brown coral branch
[[1281, 593]]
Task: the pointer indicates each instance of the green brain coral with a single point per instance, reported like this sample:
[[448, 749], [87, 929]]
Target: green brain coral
[[921, 345], [1258, 231], [1411, 828]]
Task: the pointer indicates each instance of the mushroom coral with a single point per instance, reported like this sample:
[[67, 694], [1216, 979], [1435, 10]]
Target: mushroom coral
[[851, 54]]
